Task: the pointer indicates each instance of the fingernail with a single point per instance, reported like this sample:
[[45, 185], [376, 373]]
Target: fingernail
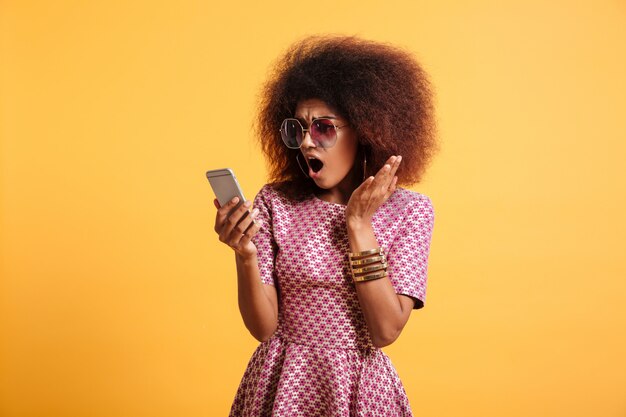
[[255, 212], [247, 203], [399, 158], [234, 200]]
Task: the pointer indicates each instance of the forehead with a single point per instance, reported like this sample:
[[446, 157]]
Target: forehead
[[311, 108]]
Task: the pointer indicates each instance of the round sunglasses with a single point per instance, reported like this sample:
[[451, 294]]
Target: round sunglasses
[[323, 132]]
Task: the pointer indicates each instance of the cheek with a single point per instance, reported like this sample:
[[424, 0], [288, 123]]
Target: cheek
[[349, 152], [344, 159]]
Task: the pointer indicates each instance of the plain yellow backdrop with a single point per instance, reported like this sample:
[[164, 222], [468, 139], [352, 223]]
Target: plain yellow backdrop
[[118, 300]]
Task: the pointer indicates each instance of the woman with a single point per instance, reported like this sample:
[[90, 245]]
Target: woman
[[333, 257]]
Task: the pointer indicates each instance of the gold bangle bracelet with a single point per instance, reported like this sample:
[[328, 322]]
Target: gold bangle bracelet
[[370, 277], [369, 268], [378, 251], [367, 261]]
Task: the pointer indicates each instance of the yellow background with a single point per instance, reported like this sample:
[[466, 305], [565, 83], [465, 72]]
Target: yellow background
[[117, 299]]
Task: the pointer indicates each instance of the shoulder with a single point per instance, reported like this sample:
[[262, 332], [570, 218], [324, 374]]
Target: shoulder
[[273, 198], [265, 197], [411, 201], [283, 193], [412, 212], [266, 191], [270, 192]]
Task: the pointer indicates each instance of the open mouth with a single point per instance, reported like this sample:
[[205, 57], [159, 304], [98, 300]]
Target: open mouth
[[315, 164]]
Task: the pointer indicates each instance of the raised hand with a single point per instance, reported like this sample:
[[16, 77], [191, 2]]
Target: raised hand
[[372, 193], [237, 228]]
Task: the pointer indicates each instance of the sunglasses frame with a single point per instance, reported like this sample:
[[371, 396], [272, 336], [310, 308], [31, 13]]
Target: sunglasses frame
[[309, 130]]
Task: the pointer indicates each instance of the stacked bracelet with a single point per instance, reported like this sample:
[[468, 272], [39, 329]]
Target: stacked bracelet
[[368, 265]]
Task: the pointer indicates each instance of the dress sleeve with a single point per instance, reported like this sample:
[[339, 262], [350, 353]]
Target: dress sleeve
[[264, 238], [407, 260]]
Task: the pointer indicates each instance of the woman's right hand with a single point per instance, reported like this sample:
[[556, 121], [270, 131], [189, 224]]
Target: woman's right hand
[[238, 228]]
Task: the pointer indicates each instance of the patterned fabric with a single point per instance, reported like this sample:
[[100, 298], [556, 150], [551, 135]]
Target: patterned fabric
[[321, 360]]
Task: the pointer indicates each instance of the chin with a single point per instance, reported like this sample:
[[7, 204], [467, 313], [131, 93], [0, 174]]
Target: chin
[[322, 184], [328, 183]]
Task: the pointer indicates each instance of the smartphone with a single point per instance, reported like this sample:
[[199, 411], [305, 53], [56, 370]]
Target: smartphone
[[225, 186]]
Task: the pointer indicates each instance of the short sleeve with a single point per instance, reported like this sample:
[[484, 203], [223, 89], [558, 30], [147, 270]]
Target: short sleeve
[[264, 238], [407, 259]]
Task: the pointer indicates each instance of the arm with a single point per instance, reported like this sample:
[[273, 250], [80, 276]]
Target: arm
[[385, 312], [257, 300]]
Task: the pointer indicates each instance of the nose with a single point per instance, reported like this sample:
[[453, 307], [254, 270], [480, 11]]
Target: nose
[[307, 143]]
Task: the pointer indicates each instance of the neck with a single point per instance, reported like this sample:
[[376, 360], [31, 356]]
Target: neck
[[341, 193]]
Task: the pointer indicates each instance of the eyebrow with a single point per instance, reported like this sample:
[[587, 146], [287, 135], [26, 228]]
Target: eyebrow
[[315, 118]]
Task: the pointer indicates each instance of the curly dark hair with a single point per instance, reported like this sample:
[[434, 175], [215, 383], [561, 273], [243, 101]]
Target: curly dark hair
[[380, 89]]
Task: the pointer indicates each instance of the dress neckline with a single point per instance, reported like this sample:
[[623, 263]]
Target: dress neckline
[[343, 206]]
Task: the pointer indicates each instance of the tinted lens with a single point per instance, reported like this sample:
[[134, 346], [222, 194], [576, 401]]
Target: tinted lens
[[323, 132], [291, 132]]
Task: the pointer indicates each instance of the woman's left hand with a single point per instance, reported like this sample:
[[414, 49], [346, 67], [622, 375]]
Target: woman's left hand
[[372, 193]]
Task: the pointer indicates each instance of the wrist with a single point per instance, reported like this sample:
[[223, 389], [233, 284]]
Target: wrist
[[246, 259], [355, 224], [361, 236]]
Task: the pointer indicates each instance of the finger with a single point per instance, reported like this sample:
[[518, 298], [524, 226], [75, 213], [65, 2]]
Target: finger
[[362, 190], [392, 188], [393, 162], [362, 187], [242, 226], [222, 212], [236, 216], [381, 176], [365, 184], [251, 232], [380, 180], [375, 184], [233, 218], [382, 172], [395, 166], [392, 172], [390, 160], [383, 181]]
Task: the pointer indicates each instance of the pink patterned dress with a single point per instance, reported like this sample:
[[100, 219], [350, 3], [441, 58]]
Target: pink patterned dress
[[321, 361]]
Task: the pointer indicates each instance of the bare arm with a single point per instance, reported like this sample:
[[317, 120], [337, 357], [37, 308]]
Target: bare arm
[[385, 312], [257, 301]]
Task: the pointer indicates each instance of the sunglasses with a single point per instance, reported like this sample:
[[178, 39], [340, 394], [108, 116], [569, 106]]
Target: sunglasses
[[323, 132]]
